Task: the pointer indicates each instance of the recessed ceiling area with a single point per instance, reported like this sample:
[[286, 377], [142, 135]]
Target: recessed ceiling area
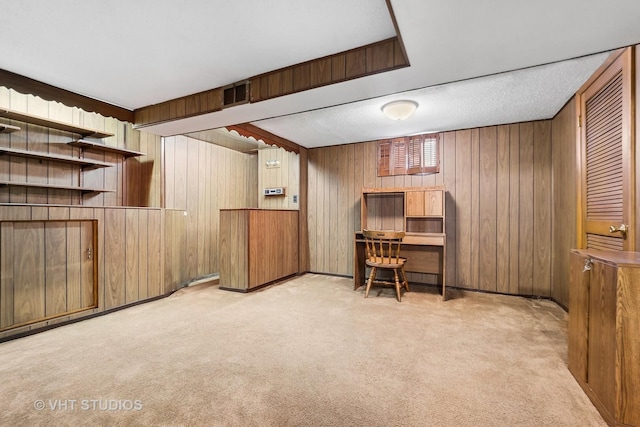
[[530, 94]]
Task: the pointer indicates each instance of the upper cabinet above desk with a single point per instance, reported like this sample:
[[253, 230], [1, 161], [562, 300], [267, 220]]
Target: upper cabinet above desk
[[418, 211]]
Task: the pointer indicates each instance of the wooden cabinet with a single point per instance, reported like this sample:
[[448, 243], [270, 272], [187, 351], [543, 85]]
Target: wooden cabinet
[[48, 269], [424, 203], [604, 331], [257, 247]]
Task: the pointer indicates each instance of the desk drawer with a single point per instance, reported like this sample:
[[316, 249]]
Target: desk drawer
[[434, 240]]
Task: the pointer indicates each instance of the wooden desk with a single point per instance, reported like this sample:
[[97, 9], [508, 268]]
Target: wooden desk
[[425, 253], [420, 212]]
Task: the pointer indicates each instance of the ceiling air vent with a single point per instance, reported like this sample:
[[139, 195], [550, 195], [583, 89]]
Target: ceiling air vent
[[237, 93]]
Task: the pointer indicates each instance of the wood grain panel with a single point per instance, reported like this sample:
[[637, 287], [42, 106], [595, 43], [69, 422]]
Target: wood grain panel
[[475, 207], [192, 201], [627, 327], [601, 373], [578, 323], [564, 176], [301, 77], [542, 209], [74, 266], [355, 64], [56, 268], [320, 72], [6, 275], [331, 254], [449, 181], [526, 210], [29, 272], [313, 208], [380, 57], [132, 261], [155, 243], [502, 209], [115, 259], [463, 202], [488, 151], [514, 208], [234, 268]]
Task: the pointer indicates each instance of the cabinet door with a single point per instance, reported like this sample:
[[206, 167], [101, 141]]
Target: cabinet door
[[601, 374], [433, 203], [578, 325], [415, 203]]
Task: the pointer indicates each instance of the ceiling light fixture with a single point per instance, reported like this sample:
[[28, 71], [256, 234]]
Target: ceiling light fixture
[[399, 110]]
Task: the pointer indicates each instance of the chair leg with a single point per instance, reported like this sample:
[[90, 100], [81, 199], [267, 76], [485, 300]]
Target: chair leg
[[370, 281], [404, 278], [395, 275]]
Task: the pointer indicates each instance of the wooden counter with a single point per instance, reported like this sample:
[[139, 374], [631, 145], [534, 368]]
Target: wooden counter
[[257, 247]]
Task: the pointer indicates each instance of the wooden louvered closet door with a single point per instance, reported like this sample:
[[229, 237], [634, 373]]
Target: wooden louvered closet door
[[607, 198]]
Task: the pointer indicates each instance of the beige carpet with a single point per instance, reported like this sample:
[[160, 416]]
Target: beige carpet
[[308, 352]]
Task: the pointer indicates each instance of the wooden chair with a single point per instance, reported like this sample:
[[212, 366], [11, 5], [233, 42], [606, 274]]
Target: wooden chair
[[383, 251]]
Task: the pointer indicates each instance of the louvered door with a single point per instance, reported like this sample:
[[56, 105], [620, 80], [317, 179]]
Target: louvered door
[[607, 168]]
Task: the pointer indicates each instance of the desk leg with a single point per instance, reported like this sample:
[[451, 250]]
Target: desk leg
[[444, 271], [358, 264]]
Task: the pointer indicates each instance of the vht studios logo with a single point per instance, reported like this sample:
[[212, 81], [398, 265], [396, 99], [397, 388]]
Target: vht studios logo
[[88, 405]]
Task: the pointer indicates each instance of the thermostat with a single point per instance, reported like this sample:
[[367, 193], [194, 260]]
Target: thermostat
[[279, 191]]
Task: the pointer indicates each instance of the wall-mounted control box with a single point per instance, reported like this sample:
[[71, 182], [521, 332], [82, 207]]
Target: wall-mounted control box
[[278, 191]]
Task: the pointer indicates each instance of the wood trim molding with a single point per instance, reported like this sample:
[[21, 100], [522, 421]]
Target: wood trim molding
[[249, 130], [26, 85], [398, 35]]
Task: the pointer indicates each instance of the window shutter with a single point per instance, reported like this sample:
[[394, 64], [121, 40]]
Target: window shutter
[[384, 158], [409, 155], [399, 156], [424, 156]]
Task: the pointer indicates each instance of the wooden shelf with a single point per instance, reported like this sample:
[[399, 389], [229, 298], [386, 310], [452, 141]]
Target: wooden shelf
[[54, 124], [89, 145], [85, 164], [83, 190], [5, 128]]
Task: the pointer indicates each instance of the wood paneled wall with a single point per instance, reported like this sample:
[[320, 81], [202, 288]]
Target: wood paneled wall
[[135, 181], [564, 154], [200, 179], [286, 175], [129, 262], [498, 205]]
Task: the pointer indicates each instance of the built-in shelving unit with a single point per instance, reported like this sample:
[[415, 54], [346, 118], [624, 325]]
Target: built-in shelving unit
[[90, 145], [5, 128], [82, 190], [54, 124], [85, 164]]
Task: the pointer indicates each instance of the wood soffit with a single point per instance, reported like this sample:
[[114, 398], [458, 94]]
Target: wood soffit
[[379, 57], [249, 130]]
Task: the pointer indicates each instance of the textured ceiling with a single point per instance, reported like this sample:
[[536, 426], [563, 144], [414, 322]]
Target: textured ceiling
[[472, 63], [523, 95]]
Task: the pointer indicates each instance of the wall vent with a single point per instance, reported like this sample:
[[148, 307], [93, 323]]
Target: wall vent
[[235, 94]]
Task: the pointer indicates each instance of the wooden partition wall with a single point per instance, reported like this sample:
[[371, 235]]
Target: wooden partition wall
[[499, 205], [200, 179]]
